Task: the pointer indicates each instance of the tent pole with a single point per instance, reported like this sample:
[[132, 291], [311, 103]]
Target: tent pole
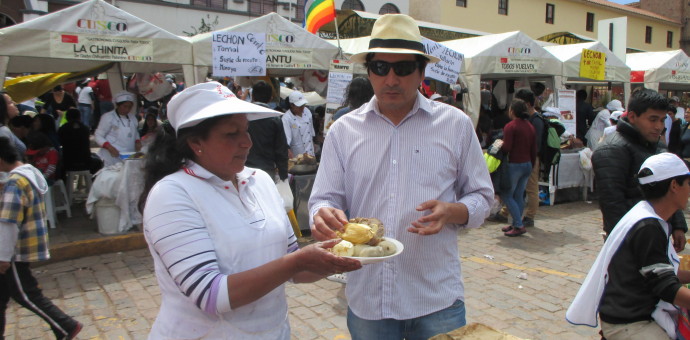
[[337, 37]]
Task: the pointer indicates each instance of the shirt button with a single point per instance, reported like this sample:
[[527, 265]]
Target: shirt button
[[395, 162]]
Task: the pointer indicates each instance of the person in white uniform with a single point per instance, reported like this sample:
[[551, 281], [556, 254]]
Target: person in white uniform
[[299, 128], [634, 283], [222, 244], [117, 131]]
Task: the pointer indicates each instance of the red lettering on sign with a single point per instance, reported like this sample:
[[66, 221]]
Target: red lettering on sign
[[70, 39]]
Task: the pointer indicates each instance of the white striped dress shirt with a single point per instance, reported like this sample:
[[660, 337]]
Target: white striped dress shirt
[[376, 169]]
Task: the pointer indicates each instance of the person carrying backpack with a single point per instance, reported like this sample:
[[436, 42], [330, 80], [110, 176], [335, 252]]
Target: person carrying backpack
[[539, 123], [551, 141]]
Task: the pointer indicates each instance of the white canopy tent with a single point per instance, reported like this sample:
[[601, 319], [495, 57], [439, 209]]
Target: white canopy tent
[[290, 48], [511, 55], [88, 35], [616, 70], [667, 70]]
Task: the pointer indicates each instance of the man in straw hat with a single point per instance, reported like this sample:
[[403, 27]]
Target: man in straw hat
[[416, 165], [635, 281]]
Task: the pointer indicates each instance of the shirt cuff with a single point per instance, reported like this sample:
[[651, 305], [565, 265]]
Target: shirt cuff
[[105, 145], [314, 210], [223, 298], [475, 214]]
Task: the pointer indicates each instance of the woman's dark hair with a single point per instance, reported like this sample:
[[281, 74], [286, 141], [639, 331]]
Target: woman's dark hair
[[145, 129], [656, 190], [37, 140], [72, 115], [358, 92], [262, 92], [8, 153], [4, 115], [57, 88], [170, 152], [519, 108], [21, 121], [47, 123]]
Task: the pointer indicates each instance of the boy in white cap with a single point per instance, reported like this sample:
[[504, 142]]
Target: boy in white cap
[[415, 164], [299, 129], [117, 131], [634, 283]]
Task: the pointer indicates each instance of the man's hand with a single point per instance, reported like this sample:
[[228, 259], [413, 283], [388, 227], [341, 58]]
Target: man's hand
[[678, 240], [4, 266], [137, 145], [441, 214], [113, 152], [327, 220]]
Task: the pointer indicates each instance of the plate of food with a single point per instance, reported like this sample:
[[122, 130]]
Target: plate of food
[[362, 239]]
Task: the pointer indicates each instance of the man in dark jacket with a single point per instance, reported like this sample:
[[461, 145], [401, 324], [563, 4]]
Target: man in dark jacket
[[269, 145], [584, 115], [617, 159]]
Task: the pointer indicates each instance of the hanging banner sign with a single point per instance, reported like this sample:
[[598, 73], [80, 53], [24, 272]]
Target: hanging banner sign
[[339, 78], [289, 58], [238, 54], [516, 65], [100, 47], [593, 64], [566, 103], [448, 69], [680, 76]]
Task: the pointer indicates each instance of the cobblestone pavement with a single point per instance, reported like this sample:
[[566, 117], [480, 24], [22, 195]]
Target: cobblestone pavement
[[520, 285]]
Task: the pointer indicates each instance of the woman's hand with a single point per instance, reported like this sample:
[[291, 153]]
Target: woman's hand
[[113, 152], [316, 258]]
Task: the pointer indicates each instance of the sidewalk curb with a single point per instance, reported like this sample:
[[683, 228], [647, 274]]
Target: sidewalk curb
[[104, 245]]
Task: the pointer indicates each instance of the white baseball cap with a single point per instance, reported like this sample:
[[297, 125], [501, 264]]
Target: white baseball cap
[[615, 105], [297, 98], [551, 111], [207, 100], [435, 96], [616, 115], [663, 166], [123, 96]]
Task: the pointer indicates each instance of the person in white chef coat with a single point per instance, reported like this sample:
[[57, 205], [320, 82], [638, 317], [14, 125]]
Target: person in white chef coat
[[117, 130]]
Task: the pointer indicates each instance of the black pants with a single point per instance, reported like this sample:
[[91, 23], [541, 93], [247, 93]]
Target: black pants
[[19, 284]]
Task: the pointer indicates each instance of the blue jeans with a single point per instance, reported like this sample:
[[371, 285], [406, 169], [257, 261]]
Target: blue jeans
[[514, 199], [420, 328], [86, 112]]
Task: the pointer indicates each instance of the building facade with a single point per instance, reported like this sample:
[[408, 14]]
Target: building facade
[[646, 30]]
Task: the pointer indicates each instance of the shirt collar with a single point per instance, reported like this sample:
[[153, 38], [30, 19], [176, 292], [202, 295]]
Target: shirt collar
[[244, 177]]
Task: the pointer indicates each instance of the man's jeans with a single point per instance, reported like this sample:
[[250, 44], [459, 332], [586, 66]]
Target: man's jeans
[[421, 328], [86, 114]]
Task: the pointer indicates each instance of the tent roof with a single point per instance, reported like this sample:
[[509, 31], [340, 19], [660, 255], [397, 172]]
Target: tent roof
[[650, 60], [570, 55], [49, 43], [275, 26], [482, 53]]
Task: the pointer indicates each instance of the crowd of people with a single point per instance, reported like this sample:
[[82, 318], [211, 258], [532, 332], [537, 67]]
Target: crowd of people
[[223, 246]]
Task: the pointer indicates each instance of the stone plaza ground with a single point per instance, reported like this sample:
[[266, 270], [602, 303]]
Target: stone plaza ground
[[521, 285]]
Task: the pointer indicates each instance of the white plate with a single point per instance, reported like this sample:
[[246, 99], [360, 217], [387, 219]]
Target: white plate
[[367, 260]]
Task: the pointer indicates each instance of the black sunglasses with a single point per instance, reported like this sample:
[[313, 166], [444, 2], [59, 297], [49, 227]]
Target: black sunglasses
[[401, 68]]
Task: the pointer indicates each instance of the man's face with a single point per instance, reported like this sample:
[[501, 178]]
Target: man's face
[[650, 123], [297, 110], [395, 94]]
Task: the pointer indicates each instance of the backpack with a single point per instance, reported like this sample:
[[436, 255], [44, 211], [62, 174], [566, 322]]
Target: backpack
[[550, 144]]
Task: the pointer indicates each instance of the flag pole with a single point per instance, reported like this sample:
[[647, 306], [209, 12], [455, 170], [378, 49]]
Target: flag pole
[[337, 35]]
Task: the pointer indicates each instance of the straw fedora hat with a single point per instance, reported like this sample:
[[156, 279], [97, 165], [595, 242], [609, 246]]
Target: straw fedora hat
[[395, 33]]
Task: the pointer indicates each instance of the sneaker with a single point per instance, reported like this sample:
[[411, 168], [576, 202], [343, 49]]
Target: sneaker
[[515, 232], [528, 222], [497, 217], [75, 331], [341, 278], [507, 228]]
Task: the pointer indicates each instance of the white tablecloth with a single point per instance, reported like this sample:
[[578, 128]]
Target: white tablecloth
[[123, 183], [568, 174]]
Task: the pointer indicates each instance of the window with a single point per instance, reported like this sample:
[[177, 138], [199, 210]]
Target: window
[[669, 39], [389, 8], [352, 4], [261, 7], [503, 7], [299, 10], [648, 35], [590, 22], [461, 3], [219, 4], [550, 13]]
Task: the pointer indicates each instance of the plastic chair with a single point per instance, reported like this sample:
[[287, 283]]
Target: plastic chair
[[51, 199], [74, 180]]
